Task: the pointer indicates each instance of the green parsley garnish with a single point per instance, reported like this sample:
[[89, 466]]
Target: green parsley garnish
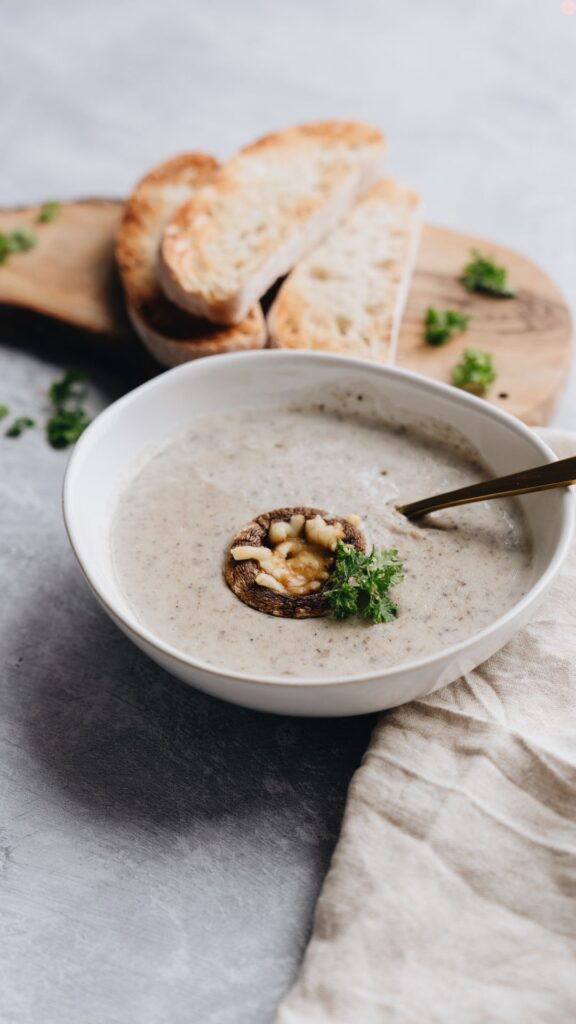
[[65, 427], [20, 424], [48, 211], [475, 373], [69, 419], [72, 388], [482, 274], [19, 240], [360, 582], [441, 325]]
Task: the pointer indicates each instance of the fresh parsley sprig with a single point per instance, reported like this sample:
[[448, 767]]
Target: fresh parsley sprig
[[475, 373], [360, 583], [19, 240], [71, 388], [69, 418], [441, 325], [48, 211], [20, 424], [483, 274], [23, 239], [66, 426]]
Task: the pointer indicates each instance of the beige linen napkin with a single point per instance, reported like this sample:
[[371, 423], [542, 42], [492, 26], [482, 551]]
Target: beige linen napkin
[[451, 896]]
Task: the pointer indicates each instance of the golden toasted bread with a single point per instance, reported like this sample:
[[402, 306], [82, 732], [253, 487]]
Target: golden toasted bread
[[348, 294], [261, 212], [172, 335]]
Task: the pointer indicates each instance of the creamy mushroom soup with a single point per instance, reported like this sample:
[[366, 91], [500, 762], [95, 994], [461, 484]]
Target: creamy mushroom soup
[[463, 567]]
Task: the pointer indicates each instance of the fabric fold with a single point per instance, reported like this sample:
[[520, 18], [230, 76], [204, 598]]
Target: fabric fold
[[451, 896]]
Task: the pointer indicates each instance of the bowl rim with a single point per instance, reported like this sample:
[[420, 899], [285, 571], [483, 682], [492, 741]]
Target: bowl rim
[[142, 633]]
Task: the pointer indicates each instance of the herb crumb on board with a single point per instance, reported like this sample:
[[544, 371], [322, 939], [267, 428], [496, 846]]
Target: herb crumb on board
[[48, 211], [441, 325], [482, 274], [475, 373], [18, 240]]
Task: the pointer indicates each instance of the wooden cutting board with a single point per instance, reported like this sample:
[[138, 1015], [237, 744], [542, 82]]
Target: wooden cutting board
[[69, 276]]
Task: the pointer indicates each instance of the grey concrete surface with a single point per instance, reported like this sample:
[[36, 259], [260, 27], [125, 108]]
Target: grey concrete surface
[[160, 851]]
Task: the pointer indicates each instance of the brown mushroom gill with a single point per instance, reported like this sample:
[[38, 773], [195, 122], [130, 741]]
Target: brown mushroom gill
[[241, 575]]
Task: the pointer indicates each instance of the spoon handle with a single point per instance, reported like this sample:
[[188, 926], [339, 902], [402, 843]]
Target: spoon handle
[[541, 478]]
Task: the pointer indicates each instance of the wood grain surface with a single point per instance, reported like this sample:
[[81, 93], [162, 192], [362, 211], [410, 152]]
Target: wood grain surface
[[529, 336], [70, 277], [70, 273]]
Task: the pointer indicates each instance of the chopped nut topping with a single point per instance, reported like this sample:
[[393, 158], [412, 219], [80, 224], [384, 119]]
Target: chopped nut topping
[[276, 566], [299, 559], [244, 551], [263, 579], [327, 535], [280, 531]]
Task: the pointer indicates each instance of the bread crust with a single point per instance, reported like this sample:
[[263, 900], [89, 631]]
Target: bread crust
[[174, 337], [348, 294], [266, 207], [171, 335], [152, 202], [240, 576]]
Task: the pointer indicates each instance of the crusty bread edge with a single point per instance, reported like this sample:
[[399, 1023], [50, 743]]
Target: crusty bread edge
[[406, 282], [136, 212], [171, 352], [139, 232], [402, 291]]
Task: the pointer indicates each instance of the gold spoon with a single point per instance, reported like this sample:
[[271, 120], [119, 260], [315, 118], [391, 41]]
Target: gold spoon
[[541, 478]]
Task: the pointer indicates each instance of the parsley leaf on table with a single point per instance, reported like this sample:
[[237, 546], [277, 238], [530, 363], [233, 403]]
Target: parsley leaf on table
[[360, 583], [441, 325], [19, 425], [483, 274], [48, 211], [72, 388], [65, 427], [475, 373], [69, 419], [19, 240]]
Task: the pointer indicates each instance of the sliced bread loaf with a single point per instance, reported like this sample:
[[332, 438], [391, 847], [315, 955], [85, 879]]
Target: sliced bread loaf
[[172, 335], [265, 208], [348, 294]]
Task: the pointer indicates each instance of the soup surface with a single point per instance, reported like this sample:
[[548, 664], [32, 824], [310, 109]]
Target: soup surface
[[174, 520]]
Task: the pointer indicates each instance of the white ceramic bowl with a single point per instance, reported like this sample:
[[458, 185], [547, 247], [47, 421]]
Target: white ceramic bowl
[[106, 453]]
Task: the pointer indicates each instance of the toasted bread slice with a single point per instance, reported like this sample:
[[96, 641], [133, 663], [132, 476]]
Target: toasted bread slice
[[348, 294], [170, 334], [264, 209]]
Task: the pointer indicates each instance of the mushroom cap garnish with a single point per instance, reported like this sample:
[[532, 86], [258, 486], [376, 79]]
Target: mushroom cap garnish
[[267, 595]]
